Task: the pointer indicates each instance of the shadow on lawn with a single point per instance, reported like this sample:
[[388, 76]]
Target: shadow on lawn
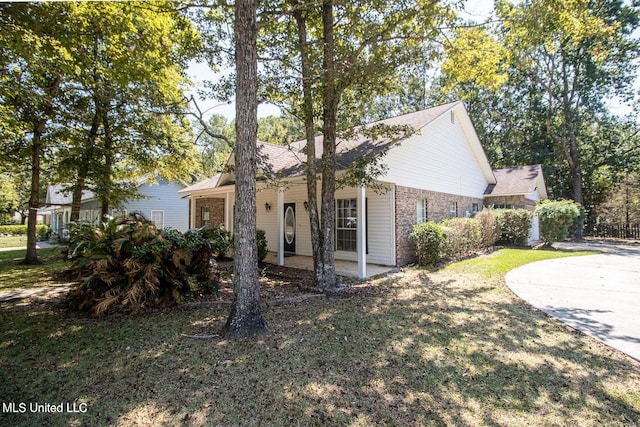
[[432, 351]]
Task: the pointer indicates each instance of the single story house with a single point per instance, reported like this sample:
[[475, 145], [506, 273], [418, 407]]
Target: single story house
[[439, 171], [160, 203], [520, 187]]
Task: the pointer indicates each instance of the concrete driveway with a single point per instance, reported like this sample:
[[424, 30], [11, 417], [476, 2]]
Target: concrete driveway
[[596, 294]]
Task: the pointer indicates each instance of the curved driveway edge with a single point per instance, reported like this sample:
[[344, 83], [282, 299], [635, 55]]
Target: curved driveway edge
[[596, 294]]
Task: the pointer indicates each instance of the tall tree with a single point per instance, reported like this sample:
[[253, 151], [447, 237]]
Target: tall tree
[[563, 60], [245, 318], [341, 52], [127, 100], [33, 65]]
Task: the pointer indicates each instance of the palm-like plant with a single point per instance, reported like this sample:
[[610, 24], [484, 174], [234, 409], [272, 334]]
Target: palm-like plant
[[128, 264]]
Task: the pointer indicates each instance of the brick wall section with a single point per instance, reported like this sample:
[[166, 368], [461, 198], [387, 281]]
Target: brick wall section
[[516, 202], [216, 212], [438, 206]]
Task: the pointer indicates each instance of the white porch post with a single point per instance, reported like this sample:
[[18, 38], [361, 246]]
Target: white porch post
[[192, 213], [228, 212], [280, 213], [361, 237]]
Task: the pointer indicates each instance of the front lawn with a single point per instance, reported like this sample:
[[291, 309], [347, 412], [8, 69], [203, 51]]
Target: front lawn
[[499, 263], [454, 347], [13, 275], [13, 241]]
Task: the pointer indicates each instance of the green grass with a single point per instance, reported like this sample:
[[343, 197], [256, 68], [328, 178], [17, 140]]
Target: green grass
[[436, 349], [505, 260], [13, 275], [13, 241]]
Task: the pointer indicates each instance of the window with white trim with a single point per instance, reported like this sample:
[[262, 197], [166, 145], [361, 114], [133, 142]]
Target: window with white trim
[[453, 209], [157, 218], [346, 225], [421, 211]]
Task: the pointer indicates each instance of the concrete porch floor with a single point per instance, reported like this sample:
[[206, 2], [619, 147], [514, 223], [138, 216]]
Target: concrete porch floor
[[343, 268]]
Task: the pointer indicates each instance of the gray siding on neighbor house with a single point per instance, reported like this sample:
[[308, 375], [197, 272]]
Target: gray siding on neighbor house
[[162, 196]]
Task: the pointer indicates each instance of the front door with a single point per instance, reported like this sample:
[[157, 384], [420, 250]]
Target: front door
[[290, 228]]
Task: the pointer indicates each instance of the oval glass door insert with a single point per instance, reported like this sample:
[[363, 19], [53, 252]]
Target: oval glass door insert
[[289, 225]]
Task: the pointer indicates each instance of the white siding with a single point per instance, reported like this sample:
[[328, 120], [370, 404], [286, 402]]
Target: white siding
[[439, 158], [535, 196], [380, 222], [162, 196], [268, 221]]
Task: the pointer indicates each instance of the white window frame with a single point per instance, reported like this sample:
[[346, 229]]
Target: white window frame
[[421, 211], [453, 209], [153, 220], [346, 224]]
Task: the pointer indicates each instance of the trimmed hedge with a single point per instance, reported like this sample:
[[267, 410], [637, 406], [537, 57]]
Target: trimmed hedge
[[556, 219], [460, 237], [464, 236], [42, 231], [430, 240], [514, 225], [490, 230]]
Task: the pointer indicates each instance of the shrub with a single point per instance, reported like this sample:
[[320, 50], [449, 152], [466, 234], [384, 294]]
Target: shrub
[[262, 245], [430, 240], [219, 239], [21, 230], [128, 264], [556, 219], [490, 229], [463, 236], [514, 225], [43, 232]]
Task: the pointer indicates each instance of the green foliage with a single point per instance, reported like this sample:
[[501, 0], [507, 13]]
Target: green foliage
[[430, 240], [556, 219], [538, 82], [42, 231], [10, 198], [262, 244], [128, 264], [489, 225], [464, 236], [280, 130], [514, 225], [220, 240]]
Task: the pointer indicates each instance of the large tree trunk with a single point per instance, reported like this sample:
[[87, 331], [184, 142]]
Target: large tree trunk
[[83, 166], [34, 197], [330, 101], [245, 318], [108, 167], [39, 127], [311, 171], [571, 150]]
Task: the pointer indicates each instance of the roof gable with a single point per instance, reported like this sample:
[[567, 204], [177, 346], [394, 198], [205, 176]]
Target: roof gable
[[370, 140]]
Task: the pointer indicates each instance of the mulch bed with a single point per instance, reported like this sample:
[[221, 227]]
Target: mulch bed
[[284, 285]]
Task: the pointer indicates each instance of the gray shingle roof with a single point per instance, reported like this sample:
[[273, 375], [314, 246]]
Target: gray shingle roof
[[515, 180], [56, 197], [368, 140]]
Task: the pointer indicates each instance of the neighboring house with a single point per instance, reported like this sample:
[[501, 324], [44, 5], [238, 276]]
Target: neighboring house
[[520, 187], [160, 203], [438, 172]]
